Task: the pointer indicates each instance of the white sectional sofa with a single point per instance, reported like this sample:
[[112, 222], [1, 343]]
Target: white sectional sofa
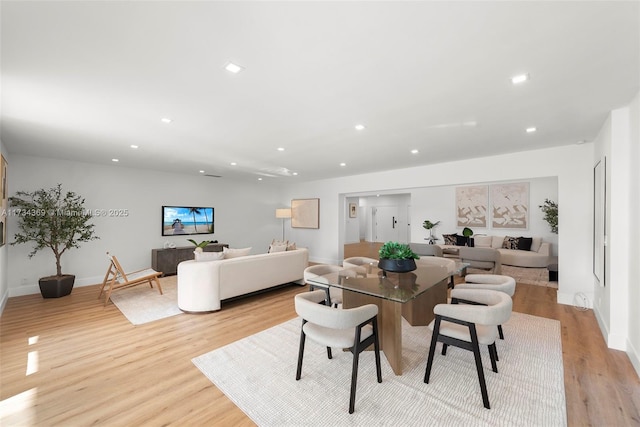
[[202, 285], [537, 256]]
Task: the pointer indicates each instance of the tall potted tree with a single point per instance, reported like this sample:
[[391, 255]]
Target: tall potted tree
[[56, 220]]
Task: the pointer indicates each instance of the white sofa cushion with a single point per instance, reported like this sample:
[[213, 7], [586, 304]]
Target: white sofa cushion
[[235, 253], [208, 256], [482, 241]]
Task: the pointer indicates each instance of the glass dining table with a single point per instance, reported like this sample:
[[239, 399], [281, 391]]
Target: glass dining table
[[411, 295]]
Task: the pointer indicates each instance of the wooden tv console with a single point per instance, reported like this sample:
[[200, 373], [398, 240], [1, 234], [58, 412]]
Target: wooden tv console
[[167, 260]]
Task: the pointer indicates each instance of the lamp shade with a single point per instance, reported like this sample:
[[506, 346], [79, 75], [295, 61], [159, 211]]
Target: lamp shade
[[283, 213]]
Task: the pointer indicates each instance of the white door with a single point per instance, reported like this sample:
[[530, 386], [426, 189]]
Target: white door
[[385, 224]]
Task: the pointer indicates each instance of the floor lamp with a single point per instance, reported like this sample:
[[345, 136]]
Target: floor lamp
[[283, 213]]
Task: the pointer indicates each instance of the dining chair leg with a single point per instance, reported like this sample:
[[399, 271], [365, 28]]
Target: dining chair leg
[[493, 355], [444, 349], [500, 332], [476, 354], [300, 354], [354, 372], [376, 348], [432, 349]]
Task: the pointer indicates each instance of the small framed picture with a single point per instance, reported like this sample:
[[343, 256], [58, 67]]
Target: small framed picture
[[353, 210]]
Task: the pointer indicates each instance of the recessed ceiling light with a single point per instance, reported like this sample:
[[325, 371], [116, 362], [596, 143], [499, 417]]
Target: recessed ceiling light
[[519, 79], [233, 163], [201, 171], [343, 164], [115, 160], [414, 151], [359, 127], [295, 174], [280, 149], [233, 68], [259, 179], [166, 120], [531, 130], [135, 147]]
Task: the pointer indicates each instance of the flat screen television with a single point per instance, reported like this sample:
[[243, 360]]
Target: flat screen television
[[185, 220]]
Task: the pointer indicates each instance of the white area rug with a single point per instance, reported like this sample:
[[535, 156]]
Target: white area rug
[[258, 374], [142, 304], [529, 276]]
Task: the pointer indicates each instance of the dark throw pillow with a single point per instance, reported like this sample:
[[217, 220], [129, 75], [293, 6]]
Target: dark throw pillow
[[461, 240], [524, 243]]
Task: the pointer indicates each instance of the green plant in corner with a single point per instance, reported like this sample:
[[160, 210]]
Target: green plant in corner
[[395, 250], [550, 210], [52, 219]]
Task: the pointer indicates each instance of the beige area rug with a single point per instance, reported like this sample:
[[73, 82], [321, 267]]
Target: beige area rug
[[142, 304], [529, 276], [258, 374]]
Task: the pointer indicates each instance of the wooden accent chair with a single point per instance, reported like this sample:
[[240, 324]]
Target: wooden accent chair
[[116, 278], [354, 329]]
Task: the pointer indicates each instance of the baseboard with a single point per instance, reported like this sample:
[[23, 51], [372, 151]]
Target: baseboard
[[576, 300], [634, 357], [613, 341], [35, 289]]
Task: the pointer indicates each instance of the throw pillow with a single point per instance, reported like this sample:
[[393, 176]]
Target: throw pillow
[[483, 241], [279, 242], [208, 256], [449, 239], [277, 248], [291, 246], [510, 242], [524, 243], [461, 240], [235, 253]]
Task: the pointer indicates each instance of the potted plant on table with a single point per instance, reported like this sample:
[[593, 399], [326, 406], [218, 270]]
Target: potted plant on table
[[397, 257], [56, 220], [428, 225], [200, 246]]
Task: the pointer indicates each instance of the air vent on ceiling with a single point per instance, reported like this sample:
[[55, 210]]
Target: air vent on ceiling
[[212, 176]]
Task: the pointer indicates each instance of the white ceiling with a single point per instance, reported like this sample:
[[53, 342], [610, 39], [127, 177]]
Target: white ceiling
[[85, 80]]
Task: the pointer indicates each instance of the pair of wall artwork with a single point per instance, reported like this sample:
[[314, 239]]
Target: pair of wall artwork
[[509, 205]]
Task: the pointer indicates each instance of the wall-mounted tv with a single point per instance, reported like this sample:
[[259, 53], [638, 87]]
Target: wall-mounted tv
[[183, 220]]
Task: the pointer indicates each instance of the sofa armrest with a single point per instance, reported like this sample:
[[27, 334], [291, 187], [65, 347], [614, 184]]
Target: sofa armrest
[[545, 248]]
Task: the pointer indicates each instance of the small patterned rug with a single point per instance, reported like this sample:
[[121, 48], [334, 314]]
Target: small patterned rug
[[529, 276], [257, 373]]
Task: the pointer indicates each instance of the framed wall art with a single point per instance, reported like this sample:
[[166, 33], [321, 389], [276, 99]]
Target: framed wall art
[[353, 210], [305, 213], [510, 205], [471, 206]]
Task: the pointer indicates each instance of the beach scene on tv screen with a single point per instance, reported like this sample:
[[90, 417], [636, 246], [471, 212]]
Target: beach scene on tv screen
[[186, 220]]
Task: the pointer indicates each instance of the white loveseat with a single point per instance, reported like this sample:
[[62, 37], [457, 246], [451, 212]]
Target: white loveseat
[[537, 256], [202, 285]]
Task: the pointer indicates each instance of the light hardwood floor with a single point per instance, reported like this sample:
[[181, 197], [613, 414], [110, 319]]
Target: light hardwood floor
[[95, 368]]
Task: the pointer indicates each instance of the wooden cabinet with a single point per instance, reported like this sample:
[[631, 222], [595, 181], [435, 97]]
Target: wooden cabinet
[[167, 260]]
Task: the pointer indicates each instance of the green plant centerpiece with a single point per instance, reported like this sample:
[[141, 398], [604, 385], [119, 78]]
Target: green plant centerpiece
[[200, 246], [428, 225], [396, 257], [54, 219], [550, 210]]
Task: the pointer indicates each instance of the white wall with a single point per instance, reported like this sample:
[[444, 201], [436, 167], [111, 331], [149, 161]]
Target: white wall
[[244, 216], [616, 300], [572, 165], [633, 300], [438, 204], [4, 263]]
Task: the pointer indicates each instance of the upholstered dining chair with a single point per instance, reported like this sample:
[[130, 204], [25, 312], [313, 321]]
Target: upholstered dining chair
[[448, 263], [482, 258], [362, 265], [316, 272], [354, 329], [469, 326], [493, 282]]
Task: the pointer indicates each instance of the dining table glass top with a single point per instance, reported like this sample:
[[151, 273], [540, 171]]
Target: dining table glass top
[[399, 287]]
